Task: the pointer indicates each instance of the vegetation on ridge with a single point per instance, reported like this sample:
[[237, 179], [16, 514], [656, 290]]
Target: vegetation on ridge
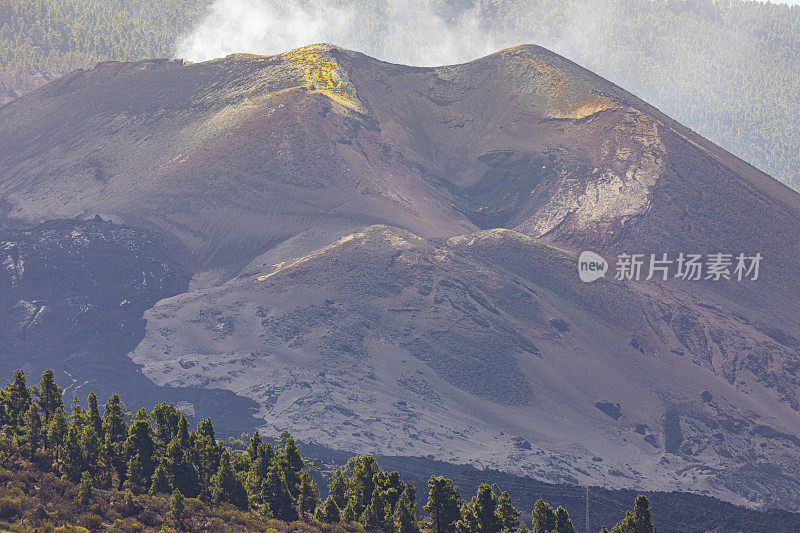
[[149, 471]]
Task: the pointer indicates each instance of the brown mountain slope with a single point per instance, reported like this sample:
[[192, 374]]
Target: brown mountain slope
[[323, 136], [422, 334]]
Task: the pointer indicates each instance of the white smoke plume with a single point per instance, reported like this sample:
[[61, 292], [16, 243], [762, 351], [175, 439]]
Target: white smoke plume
[[412, 33]]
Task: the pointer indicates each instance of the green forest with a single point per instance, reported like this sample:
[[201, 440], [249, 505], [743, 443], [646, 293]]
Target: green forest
[[124, 472], [58, 36], [730, 69]]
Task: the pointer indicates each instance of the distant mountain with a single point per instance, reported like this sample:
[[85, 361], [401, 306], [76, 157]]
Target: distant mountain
[[383, 258]]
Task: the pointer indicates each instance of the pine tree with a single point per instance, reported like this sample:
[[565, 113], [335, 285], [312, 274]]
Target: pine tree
[[309, 496], [390, 486], [77, 416], [93, 415], [544, 518], [563, 523], [468, 523], [206, 455], [337, 488], [85, 488], [140, 443], [412, 494], [405, 514], [206, 429], [72, 464], [443, 504], [183, 433], [276, 492], [115, 432], [136, 479], [642, 520], [57, 430], [176, 509], [507, 514], [186, 478], [259, 466], [638, 521], [166, 424], [375, 514], [5, 414], [16, 398], [350, 512], [32, 430], [361, 484], [485, 505], [255, 442], [49, 396], [226, 487], [294, 465], [160, 483], [328, 512], [90, 448]]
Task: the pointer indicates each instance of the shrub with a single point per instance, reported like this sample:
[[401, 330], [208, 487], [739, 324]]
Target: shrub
[[128, 525], [90, 521], [9, 509], [150, 518]]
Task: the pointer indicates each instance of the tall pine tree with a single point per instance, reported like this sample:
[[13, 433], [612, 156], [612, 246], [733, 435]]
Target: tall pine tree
[[405, 514], [49, 396], [443, 504], [32, 430], [507, 514], [93, 415], [226, 486], [16, 398], [485, 505], [543, 516]]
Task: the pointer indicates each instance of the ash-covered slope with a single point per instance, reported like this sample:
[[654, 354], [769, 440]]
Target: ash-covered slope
[[431, 332], [485, 348]]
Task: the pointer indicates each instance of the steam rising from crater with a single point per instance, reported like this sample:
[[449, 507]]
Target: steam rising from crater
[[412, 33]]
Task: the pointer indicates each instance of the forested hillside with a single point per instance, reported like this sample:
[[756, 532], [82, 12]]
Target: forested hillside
[[41, 39], [149, 471], [728, 69]]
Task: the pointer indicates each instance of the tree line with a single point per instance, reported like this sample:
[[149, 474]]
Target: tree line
[[158, 453]]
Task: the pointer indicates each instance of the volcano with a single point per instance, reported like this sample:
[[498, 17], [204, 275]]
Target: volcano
[[384, 259]]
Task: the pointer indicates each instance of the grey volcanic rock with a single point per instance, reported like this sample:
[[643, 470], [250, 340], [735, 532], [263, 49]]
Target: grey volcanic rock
[[386, 342], [384, 260], [72, 294]]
